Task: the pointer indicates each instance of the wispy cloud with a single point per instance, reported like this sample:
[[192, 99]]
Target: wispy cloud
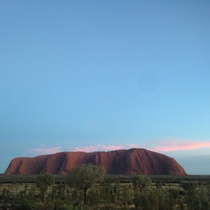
[[133, 145], [44, 151], [102, 148], [170, 145], [180, 145], [92, 148]]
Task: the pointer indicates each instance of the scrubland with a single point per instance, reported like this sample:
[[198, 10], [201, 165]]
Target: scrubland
[[24, 192]]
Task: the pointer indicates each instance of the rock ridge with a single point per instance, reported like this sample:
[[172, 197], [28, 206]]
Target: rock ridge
[[131, 161]]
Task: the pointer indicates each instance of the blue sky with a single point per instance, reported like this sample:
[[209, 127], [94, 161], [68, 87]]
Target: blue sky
[[102, 75]]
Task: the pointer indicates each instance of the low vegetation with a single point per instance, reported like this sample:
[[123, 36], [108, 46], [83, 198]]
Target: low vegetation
[[87, 187]]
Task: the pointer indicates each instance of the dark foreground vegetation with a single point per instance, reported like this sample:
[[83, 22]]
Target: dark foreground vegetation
[[86, 187]]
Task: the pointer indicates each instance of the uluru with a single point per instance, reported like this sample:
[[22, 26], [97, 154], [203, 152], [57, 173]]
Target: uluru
[[131, 161]]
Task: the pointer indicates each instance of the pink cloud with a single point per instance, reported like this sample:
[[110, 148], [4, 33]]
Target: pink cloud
[[133, 145], [100, 148], [178, 145], [162, 146], [44, 151]]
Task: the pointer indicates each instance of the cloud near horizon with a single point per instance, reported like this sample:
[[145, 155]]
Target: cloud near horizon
[[98, 148], [181, 146], [45, 151], [163, 146], [52, 150], [101, 147]]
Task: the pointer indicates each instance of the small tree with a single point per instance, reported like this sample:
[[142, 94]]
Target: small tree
[[43, 182], [141, 184], [84, 178]]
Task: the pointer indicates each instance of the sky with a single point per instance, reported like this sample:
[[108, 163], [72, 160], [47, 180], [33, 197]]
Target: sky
[[91, 75]]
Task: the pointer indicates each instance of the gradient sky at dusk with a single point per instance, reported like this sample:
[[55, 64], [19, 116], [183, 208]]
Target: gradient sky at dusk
[[103, 75]]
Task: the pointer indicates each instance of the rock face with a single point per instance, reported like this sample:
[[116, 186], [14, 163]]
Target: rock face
[[132, 161]]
